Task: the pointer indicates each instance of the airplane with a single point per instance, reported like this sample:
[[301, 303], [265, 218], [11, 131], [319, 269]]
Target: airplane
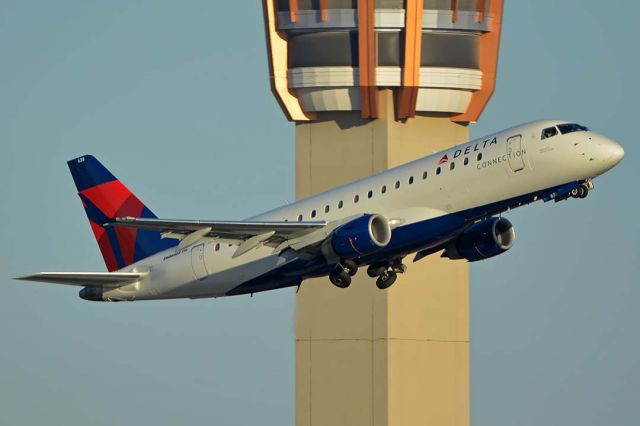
[[450, 202]]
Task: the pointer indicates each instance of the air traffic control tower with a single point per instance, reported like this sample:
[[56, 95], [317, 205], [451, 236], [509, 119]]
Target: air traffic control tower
[[371, 84]]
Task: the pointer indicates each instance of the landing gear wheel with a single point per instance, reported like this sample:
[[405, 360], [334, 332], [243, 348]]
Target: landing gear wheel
[[386, 280], [340, 279], [376, 270], [575, 192], [350, 267], [583, 191]]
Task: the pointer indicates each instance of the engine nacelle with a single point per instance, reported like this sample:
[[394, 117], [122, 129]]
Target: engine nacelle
[[362, 236], [93, 294], [483, 240]]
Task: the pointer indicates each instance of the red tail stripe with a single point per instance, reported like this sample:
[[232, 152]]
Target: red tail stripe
[[105, 246], [127, 236], [108, 197]]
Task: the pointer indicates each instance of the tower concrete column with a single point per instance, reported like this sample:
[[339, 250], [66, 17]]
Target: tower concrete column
[[371, 357], [372, 84]]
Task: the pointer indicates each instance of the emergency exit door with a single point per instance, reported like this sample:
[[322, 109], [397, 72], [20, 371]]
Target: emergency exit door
[[515, 154], [197, 262]]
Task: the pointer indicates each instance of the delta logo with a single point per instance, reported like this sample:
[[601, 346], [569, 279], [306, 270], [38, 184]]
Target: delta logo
[[467, 150]]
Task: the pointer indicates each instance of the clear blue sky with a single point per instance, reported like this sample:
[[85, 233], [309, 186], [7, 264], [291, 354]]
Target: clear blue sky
[[174, 97]]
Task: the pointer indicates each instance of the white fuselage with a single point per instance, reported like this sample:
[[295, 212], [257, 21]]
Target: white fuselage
[[499, 167]]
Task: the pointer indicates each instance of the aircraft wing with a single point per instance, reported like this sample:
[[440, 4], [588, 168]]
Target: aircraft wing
[[250, 234], [235, 230], [86, 279]]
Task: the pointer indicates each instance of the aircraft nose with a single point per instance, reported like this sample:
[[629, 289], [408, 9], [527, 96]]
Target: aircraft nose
[[616, 152]]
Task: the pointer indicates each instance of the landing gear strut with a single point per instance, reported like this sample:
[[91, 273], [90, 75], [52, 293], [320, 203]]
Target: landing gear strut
[[350, 267]]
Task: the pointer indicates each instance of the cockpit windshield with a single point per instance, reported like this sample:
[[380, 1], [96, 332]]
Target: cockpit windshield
[[549, 132], [571, 127]]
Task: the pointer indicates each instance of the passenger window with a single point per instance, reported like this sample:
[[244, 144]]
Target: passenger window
[[356, 198], [410, 180], [452, 166], [313, 213], [326, 209], [397, 184], [466, 160], [384, 189], [438, 170], [549, 132], [370, 194], [340, 204], [424, 175], [299, 218], [479, 156], [217, 246]]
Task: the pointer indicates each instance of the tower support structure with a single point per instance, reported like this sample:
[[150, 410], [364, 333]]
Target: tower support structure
[[372, 84], [366, 356]]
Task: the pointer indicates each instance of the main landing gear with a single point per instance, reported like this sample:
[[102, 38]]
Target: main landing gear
[[341, 275], [387, 273]]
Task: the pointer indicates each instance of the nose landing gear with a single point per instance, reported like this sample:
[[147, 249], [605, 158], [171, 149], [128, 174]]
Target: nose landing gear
[[580, 191]]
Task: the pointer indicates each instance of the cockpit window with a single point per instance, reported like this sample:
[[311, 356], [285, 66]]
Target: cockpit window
[[570, 128], [549, 132]]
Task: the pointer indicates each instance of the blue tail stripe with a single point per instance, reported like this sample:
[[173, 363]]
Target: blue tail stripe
[[88, 172]]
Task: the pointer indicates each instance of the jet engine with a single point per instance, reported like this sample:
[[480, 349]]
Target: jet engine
[[91, 293], [483, 240], [362, 236]]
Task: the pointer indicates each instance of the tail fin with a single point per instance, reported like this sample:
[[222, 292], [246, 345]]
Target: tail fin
[[104, 197]]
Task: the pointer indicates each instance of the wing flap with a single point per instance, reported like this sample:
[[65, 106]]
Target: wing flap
[[86, 279]]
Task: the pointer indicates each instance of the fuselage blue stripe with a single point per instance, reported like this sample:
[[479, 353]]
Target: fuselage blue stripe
[[428, 234]]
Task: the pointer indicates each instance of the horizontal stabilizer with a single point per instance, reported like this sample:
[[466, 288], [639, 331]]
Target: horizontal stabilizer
[[86, 279]]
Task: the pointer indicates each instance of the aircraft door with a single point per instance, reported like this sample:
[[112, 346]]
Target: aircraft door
[[197, 262], [515, 153]]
